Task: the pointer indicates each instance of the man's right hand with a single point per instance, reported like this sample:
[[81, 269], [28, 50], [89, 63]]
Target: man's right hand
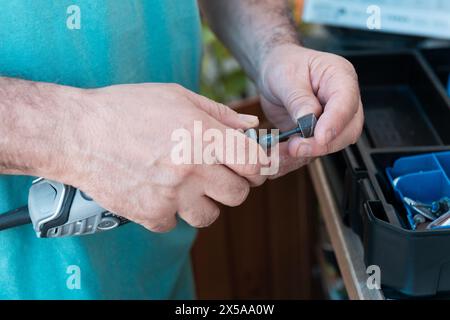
[[117, 148]]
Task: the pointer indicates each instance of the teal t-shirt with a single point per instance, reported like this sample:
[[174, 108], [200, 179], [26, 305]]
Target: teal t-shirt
[[95, 43]]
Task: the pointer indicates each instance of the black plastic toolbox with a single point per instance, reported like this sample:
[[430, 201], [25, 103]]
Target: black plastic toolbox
[[438, 60], [407, 113]]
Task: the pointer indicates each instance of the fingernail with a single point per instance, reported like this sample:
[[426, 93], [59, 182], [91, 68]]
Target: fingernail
[[305, 110], [304, 150], [299, 114], [250, 120]]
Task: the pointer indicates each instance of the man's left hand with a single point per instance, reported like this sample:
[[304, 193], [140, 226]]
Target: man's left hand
[[295, 81]]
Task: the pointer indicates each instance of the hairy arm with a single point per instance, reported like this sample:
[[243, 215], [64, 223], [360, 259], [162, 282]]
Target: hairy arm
[[250, 28], [32, 124]]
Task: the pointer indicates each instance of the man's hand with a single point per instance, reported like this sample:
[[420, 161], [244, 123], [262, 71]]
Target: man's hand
[[295, 81], [116, 145], [124, 156]]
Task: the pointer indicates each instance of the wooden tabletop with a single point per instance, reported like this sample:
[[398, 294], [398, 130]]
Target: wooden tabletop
[[346, 244]]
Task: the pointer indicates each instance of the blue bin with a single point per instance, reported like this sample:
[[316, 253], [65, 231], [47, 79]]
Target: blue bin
[[448, 85], [424, 178]]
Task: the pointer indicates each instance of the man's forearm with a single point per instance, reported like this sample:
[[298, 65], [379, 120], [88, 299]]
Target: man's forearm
[[250, 28], [32, 126]]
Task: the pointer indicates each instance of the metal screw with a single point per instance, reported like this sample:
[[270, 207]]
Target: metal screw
[[419, 219]]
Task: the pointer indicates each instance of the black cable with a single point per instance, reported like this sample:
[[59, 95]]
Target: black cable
[[14, 218]]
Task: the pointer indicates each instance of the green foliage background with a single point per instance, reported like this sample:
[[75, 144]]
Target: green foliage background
[[222, 78]]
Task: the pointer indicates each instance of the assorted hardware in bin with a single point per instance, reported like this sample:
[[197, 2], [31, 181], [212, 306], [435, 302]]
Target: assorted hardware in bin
[[422, 183]]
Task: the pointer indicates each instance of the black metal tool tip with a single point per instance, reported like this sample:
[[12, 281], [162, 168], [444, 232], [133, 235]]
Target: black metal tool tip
[[307, 124]]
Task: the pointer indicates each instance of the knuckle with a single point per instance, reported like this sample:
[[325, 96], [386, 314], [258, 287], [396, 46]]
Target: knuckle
[[168, 193], [259, 180], [197, 223], [157, 216], [160, 225], [201, 218], [212, 217], [164, 194], [347, 65], [240, 194], [350, 66], [221, 112], [182, 172], [251, 169], [254, 155], [299, 97]]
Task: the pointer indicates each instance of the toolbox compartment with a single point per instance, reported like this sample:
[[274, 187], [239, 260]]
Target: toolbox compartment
[[439, 61], [402, 103], [407, 114]]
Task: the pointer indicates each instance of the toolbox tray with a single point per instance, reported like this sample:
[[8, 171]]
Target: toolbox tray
[[407, 114], [439, 61]]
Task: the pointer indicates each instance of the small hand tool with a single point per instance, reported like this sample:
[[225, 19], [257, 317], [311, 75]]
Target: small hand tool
[[58, 210], [305, 129]]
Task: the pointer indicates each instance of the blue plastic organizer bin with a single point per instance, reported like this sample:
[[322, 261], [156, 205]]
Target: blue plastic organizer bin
[[424, 178], [448, 85]]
